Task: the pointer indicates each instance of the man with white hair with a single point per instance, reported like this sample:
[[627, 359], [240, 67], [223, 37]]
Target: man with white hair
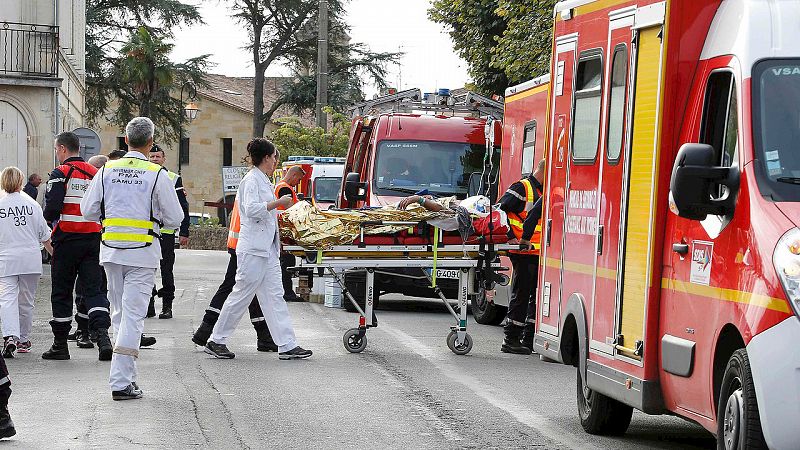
[[134, 199]]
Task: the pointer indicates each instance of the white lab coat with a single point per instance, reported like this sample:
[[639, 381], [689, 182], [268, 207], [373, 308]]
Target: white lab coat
[[22, 229], [259, 231], [166, 208]]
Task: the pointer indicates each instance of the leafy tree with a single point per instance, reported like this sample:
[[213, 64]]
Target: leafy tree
[[292, 138], [127, 64], [285, 31], [504, 42]]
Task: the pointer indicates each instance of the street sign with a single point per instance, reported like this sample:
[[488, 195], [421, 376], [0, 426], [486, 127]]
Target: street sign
[[232, 176], [90, 142]]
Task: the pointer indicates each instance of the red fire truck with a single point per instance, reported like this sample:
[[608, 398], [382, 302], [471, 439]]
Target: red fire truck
[[405, 143], [523, 145], [689, 106]]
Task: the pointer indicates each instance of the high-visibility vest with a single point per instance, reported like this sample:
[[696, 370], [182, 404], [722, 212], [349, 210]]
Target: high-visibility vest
[[235, 227], [127, 206], [174, 177], [516, 220], [282, 184], [77, 177]]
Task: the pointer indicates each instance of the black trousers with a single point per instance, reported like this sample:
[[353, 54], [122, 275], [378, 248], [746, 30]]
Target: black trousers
[[5, 383], [73, 258], [167, 291], [522, 306], [224, 290], [287, 261]]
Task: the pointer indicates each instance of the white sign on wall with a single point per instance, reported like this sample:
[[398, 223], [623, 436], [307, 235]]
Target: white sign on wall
[[232, 176]]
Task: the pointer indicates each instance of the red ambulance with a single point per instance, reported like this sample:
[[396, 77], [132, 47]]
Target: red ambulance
[[670, 266]]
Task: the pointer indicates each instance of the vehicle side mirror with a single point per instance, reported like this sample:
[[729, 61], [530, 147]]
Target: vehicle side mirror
[[694, 183], [355, 189], [474, 184]]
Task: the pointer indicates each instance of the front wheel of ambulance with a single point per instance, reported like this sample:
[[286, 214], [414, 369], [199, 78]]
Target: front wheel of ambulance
[[485, 312], [738, 421], [601, 414]]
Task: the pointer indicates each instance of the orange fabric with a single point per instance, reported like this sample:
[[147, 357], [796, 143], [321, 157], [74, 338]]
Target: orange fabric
[[78, 175], [236, 225], [516, 220], [282, 184]]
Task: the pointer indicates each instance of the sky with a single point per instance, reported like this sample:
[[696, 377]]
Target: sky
[[384, 25]]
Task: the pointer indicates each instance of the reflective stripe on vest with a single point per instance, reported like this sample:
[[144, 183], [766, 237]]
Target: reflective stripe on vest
[[77, 177], [516, 221], [135, 176], [236, 226], [278, 187]]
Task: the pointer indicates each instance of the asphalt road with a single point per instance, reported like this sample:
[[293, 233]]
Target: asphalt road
[[406, 390]]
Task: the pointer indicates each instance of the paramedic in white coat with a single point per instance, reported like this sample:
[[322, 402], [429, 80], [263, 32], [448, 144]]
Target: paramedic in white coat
[[133, 198], [22, 228], [258, 253]]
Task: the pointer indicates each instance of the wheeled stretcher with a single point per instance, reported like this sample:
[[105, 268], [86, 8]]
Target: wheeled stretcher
[[434, 255]]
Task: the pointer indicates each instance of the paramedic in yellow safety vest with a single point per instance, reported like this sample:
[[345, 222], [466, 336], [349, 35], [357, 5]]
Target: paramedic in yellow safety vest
[[517, 202], [291, 178], [134, 200], [167, 291]]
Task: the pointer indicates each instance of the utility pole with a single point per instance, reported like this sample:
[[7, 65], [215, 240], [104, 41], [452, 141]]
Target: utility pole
[[322, 65]]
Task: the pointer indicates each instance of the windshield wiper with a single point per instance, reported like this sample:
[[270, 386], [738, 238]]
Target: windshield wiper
[[399, 189], [790, 180]]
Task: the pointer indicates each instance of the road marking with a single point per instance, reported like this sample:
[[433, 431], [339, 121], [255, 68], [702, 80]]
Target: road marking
[[545, 426]]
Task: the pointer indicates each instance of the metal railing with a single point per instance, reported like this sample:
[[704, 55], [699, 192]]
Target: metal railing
[[28, 49]]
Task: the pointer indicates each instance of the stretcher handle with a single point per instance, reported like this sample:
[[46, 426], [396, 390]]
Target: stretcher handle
[[387, 222]]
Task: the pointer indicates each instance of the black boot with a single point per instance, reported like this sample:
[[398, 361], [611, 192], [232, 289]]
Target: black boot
[[166, 309], [59, 350], [83, 339], [527, 336], [265, 342], [147, 341], [104, 347], [151, 308], [6, 424], [511, 343], [202, 334]]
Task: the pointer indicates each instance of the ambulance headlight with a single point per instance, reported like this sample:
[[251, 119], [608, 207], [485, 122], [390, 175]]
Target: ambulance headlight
[[787, 264]]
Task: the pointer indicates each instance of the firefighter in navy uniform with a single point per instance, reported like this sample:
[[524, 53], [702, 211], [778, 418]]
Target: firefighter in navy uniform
[[294, 175], [76, 250], [517, 202], [167, 291]]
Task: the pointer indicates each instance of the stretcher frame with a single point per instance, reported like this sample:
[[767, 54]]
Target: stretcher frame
[[466, 258]]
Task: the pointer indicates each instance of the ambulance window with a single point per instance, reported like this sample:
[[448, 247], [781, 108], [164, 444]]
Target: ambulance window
[[528, 148], [616, 109], [586, 114], [720, 120]]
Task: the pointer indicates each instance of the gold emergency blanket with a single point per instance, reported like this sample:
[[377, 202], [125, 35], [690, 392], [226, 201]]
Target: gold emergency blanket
[[315, 229]]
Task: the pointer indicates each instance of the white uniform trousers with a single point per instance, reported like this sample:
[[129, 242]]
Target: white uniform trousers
[[257, 275], [129, 291], [16, 304]]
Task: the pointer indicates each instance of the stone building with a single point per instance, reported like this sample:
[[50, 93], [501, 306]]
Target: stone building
[[217, 137], [42, 78]]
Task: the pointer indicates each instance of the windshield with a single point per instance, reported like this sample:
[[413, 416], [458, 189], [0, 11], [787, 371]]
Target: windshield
[[443, 168], [326, 188], [776, 128]]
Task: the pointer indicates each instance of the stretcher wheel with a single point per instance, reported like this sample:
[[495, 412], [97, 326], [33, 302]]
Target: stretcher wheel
[[354, 342], [462, 349]]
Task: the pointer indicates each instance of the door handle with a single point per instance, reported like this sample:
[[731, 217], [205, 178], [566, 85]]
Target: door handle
[[680, 248]]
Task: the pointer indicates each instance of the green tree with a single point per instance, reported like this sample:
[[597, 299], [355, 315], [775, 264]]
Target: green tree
[[142, 28], [285, 31], [504, 42], [292, 138]]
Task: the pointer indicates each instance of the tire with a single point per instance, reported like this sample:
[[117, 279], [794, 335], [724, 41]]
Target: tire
[[352, 342], [484, 312], [462, 349], [738, 421], [600, 414], [358, 287]]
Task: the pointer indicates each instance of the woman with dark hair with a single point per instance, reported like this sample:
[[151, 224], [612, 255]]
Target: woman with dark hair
[[258, 252]]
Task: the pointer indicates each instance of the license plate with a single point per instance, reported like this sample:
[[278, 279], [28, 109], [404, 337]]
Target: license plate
[[450, 274]]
